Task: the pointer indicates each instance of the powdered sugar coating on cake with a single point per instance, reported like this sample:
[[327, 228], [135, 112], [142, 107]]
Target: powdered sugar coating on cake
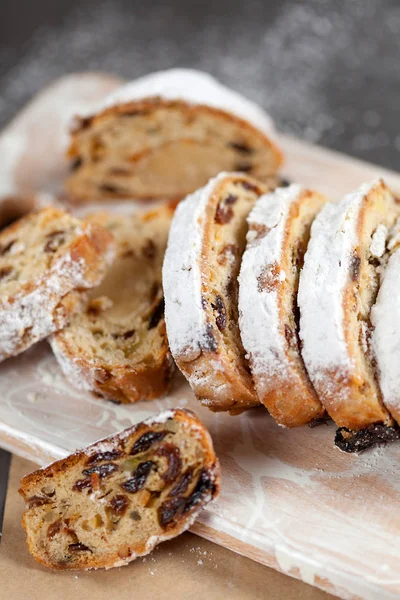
[[32, 314], [184, 315], [196, 88], [385, 317], [262, 336], [322, 283]]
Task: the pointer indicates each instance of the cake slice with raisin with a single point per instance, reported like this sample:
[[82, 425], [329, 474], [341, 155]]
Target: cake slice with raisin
[[338, 286], [118, 346], [46, 260], [279, 230], [201, 266], [165, 135], [117, 499]]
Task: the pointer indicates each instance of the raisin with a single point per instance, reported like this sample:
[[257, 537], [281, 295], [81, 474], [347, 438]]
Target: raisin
[[355, 262], [183, 483], [76, 163], [128, 334], [204, 486], [242, 147], [100, 456], [125, 335], [54, 241], [149, 251], [80, 123], [5, 249], [298, 255], [209, 342], [79, 547], [230, 199], [135, 515], [147, 440], [243, 167], [284, 182], [109, 188], [374, 262], [173, 456], [101, 470], [82, 484], [219, 308], [38, 501], [118, 505], [358, 441], [232, 288], [54, 528], [223, 214], [169, 510], [249, 186], [139, 477], [157, 315], [5, 271]]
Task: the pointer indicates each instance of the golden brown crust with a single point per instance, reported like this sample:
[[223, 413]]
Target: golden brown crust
[[145, 106], [120, 445], [124, 384]]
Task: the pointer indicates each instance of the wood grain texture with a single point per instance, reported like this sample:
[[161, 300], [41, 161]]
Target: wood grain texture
[[289, 499]]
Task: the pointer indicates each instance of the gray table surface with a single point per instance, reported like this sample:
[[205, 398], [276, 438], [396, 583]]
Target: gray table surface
[[326, 70]]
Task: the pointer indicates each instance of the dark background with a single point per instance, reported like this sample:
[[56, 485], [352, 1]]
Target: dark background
[[326, 70]]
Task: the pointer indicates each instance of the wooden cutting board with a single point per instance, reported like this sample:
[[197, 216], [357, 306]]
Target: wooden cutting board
[[289, 499]]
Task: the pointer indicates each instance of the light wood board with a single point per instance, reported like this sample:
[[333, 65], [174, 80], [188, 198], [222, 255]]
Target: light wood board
[[289, 499]]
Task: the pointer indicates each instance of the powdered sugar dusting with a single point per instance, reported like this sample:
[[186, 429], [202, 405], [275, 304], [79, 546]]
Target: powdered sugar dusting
[[184, 314], [263, 338], [194, 87], [322, 283], [30, 316]]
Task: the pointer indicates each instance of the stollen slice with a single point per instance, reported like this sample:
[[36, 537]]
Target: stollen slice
[[201, 266], [279, 230], [165, 135], [338, 286], [47, 259], [117, 499], [117, 346]]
